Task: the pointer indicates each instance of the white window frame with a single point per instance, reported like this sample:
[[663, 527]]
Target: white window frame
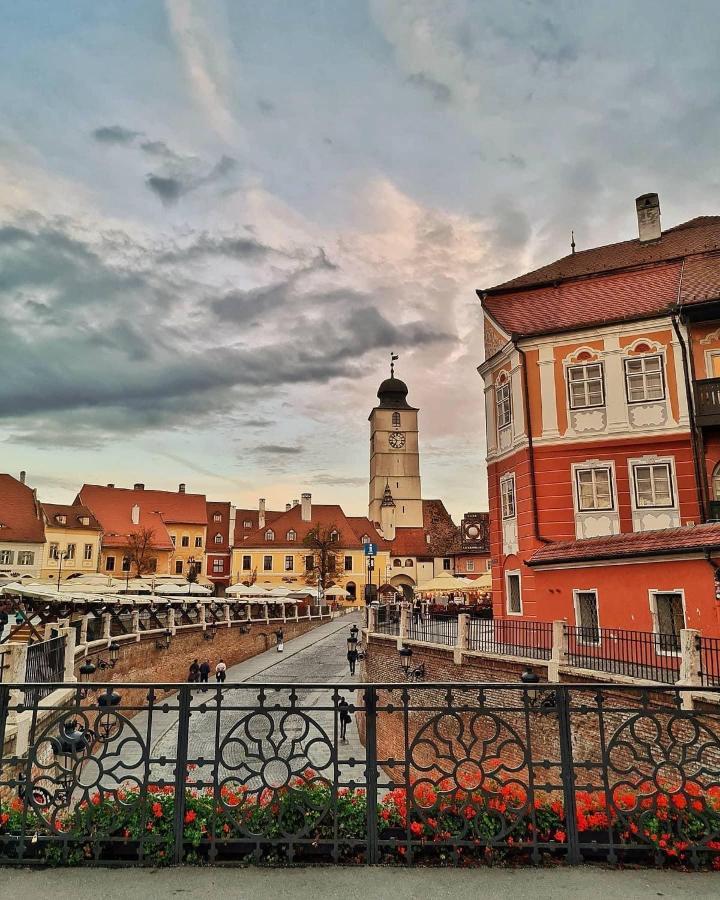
[[22, 558], [585, 381], [594, 467], [217, 517], [218, 538], [54, 550], [469, 565], [266, 557], [292, 535], [88, 552], [653, 592], [503, 404], [667, 463], [269, 535], [198, 542], [508, 575], [508, 478], [289, 563], [70, 551], [643, 374], [247, 524], [578, 623], [218, 567]]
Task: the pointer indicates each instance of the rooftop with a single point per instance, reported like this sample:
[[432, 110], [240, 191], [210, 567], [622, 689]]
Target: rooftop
[[20, 515]]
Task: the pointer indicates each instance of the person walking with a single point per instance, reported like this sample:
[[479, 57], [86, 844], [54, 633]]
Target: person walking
[[345, 719], [280, 640], [204, 671], [220, 672], [194, 672], [352, 657]]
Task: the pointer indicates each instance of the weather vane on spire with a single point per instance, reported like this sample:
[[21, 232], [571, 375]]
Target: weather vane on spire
[[393, 357]]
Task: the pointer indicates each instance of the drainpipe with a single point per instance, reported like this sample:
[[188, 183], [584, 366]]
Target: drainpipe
[[698, 463], [531, 452]]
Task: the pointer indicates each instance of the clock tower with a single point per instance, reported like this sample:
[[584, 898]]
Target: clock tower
[[395, 457]]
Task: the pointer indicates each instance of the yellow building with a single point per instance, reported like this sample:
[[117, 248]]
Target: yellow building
[[72, 541], [271, 548]]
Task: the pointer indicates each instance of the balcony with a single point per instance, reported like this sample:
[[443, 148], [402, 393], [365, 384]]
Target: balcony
[[707, 401]]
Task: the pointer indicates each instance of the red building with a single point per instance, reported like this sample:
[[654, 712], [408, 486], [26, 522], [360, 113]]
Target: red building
[[218, 547], [602, 389]]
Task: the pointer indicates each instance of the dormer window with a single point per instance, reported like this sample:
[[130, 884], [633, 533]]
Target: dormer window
[[218, 539], [217, 517], [333, 536], [269, 535], [61, 520], [84, 520], [366, 540], [291, 535], [247, 524]]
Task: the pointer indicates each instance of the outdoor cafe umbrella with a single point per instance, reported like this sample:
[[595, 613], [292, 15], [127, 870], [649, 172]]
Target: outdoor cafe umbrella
[[336, 591], [172, 590]]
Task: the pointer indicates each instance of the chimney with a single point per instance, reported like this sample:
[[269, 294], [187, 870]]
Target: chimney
[[648, 213], [296, 503], [288, 507], [139, 486], [261, 512], [22, 476], [111, 485], [306, 514], [135, 514], [181, 488]]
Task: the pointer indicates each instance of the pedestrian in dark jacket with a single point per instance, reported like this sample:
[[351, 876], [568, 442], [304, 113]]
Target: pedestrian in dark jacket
[[345, 719], [194, 673], [352, 657], [204, 671]]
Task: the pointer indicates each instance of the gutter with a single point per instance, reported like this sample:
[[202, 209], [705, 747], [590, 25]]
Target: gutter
[[603, 557], [700, 473], [531, 450]]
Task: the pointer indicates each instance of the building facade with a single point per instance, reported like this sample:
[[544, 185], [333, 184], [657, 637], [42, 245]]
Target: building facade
[[218, 556], [602, 405], [22, 528], [73, 541]]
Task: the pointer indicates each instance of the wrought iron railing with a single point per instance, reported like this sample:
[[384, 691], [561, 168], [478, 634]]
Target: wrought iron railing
[[388, 618], [512, 637], [709, 649], [45, 663], [426, 773], [432, 629], [707, 400], [638, 654]]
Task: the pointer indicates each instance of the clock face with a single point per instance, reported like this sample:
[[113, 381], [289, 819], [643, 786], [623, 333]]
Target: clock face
[[397, 440]]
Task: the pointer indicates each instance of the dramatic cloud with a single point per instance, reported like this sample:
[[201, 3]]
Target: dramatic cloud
[[277, 450], [115, 134]]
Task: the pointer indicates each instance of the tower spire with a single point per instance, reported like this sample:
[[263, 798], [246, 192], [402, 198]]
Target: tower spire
[[393, 357], [572, 242], [387, 499]]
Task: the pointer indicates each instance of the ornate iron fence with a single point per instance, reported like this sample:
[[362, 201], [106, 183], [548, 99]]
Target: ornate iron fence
[[431, 774], [512, 637], [639, 654], [709, 649], [45, 663], [432, 629]]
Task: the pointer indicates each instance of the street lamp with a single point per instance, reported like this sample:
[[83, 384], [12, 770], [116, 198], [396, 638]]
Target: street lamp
[[114, 650], [60, 558], [410, 674], [352, 640], [108, 722], [210, 632], [72, 743], [87, 670], [535, 695], [163, 643]]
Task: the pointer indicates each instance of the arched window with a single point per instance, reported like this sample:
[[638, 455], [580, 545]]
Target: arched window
[[396, 419], [218, 539], [269, 535], [217, 517], [291, 535], [716, 482], [408, 562], [397, 563], [365, 539], [333, 536]]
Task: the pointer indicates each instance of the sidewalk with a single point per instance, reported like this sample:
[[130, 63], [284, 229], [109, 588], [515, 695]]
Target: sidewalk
[[360, 883]]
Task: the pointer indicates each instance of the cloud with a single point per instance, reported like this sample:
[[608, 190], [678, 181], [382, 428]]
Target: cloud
[[337, 480], [115, 134], [440, 92], [181, 176], [200, 33], [277, 450]]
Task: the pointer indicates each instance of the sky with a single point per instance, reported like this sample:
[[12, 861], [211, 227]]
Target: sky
[[218, 218]]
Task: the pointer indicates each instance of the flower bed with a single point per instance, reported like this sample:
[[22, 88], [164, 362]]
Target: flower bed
[[306, 821]]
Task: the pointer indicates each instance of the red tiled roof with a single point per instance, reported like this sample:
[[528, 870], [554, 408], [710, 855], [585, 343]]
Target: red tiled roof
[[688, 539], [698, 235], [618, 282], [322, 515], [72, 514], [112, 508], [444, 534], [20, 515], [250, 515]]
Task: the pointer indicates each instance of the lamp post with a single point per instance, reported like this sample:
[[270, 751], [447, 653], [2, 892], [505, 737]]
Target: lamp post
[[536, 695], [163, 643], [60, 557], [210, 632], [114, 650], [87, 670], [352, 640], [71, 744], [108, 722], [410, 674]]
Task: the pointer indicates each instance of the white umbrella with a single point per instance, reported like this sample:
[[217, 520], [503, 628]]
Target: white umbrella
[[242, 590], [278, 592], [336, 591], [172, 590]]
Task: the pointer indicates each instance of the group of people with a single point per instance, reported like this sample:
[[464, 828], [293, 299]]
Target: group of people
[[199, 672]]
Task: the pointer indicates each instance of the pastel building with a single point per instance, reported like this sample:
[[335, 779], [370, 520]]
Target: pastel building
[[602, 403], [22, 528]]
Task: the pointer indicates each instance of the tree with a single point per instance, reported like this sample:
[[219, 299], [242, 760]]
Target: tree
[[139, 549], [323, 541]]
